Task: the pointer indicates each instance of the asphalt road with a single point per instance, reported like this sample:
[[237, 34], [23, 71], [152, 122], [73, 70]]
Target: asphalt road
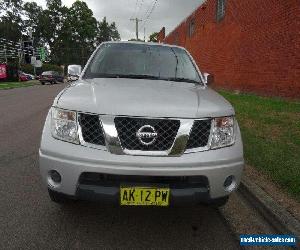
[[29, 220]]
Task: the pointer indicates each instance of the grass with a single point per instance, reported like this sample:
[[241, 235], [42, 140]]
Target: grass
[[12, 85], [271, 134]]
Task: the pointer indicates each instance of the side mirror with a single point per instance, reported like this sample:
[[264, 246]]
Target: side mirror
[[208, 78], [74, 70]]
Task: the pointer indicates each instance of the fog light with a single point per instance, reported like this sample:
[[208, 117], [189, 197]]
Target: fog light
[[230, 183], [55, 176]]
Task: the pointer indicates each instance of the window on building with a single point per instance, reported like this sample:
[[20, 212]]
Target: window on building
[[220, 9], [191, 27]]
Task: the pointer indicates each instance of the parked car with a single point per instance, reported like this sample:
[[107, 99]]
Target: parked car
[[23, 77], [29, 76], [73, 72], [141, 127], [51, 77]]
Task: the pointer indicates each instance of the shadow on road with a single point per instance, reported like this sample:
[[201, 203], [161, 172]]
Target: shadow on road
[[94, 225]]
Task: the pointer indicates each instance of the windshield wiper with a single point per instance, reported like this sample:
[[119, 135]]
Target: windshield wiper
[[181, 79], [132, 76], [151, 77], [139, 76]]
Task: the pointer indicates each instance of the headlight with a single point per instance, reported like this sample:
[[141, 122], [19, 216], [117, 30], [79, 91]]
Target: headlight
[[223, 132], [64, 125]]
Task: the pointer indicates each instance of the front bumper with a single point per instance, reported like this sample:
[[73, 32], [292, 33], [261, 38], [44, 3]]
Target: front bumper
[[106, 188], [71, 161]]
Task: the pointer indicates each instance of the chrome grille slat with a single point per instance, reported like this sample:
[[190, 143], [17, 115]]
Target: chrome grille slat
[[118, 134], [127, 128], [91, 129], [199, 135]]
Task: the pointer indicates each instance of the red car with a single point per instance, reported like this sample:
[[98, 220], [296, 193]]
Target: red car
[[51, 76], [23, 77]]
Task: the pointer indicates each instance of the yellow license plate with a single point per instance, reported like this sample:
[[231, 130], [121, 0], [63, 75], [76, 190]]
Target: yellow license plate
[[144, 196]]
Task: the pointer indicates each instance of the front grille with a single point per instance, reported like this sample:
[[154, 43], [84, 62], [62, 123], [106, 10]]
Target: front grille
[[98, 179], [200, 134], [166, 130], [91, 129]]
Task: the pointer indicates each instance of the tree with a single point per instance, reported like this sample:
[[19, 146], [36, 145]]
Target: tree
[[11, 10], [51, 27], [114, 33], [107, 32], [153, 37], [83, 23], [78, 33], [69, 34], [135, 40], [33, 16], [52, 21], [11, 19], [10, 30]]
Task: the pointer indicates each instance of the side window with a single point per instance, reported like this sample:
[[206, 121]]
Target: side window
[[96, 64], [185, 67], [191, 27], [220, 9]]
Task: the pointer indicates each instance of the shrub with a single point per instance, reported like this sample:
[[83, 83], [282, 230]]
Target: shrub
[[12, 72], [28, 68]]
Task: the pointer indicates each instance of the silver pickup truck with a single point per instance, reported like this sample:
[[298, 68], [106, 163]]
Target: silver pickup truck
[[141, 128]]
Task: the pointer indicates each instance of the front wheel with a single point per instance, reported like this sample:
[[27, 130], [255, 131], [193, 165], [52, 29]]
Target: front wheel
[[219, 202], [58, 197]]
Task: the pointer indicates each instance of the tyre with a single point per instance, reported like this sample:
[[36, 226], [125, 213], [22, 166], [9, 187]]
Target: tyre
[[42, 83], [58, 197], [220, 202]]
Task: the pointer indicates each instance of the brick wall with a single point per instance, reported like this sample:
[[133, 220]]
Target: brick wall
[[254, 48], [161, 34]]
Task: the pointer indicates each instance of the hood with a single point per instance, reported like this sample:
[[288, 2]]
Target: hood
[[146, 98]]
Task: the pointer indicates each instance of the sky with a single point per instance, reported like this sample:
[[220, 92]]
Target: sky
[[167, 13]]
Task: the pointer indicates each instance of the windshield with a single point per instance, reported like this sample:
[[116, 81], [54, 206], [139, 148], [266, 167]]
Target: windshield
[[142, 61]]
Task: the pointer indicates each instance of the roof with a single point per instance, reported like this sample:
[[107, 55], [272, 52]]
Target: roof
[[146, 43]]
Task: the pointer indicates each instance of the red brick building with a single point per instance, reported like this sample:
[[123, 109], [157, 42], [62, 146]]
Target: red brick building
[[251, 46]]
